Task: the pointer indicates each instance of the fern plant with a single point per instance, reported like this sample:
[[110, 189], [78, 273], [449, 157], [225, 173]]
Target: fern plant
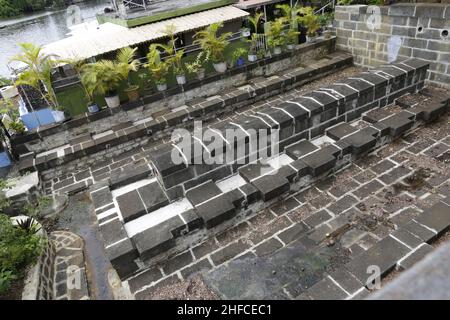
[[209, 40], [309, 20], [276, 34], [126, 63], [38, 71], [158, 68]]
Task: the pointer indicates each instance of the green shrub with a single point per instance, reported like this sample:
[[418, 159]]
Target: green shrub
[[6, 277], [19, 247]]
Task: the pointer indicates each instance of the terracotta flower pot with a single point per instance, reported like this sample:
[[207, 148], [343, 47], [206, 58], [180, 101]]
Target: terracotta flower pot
[[132, 93]]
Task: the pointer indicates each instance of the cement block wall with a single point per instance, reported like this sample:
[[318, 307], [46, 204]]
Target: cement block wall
[[422, 29]]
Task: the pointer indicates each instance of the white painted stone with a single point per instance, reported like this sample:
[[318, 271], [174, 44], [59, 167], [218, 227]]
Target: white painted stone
[[157, 217], [142, 121], [231, 183], [280, 160], [21, 185], [321, 140], [132, 186], [103, 134]]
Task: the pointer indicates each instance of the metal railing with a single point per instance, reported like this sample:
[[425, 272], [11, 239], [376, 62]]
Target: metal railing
[[330, 4]]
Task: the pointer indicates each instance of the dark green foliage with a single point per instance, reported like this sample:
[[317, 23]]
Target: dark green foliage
[[11, 8]]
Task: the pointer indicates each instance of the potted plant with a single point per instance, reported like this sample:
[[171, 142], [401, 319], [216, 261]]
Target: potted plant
[[325, 23], [245, 32], [146, 82], [158, 68], [215, 45], [38, 71], [88, 80], [310, 21], [126, 63], [254, 40], [11, 117], [197, 65], [178, 67], [104, 78], [237, 57], [291, 37], [174, 56], [78, 66], [276, 38]]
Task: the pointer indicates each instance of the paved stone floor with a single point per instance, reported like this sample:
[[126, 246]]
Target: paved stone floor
[[304, 246]]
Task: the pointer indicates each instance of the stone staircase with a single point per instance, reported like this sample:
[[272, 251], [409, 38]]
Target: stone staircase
[[182, 203]]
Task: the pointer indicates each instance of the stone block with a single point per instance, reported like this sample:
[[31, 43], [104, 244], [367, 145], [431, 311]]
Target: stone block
[[229, 252], [429, 111], [326, 289], [339, 131], [129, 175], [216, 210], [437, 217], [346, 281], [112, 232], [312, 106], [253, 170], [415, 257], [131, 205], [203, 193], [396, 124], [159, 238], [319, 161], [271, 186], [251, 193], [298, 113], [383, 254], [358, 143], [122, 255], [163, 160], [300, 149], [407, 238], [153, 196]]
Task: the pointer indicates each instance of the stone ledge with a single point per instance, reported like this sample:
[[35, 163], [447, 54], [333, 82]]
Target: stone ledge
[[154, 128], [44, 131]]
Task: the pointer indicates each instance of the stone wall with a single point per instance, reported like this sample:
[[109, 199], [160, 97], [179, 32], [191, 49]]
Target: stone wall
[[56, 135], [87, 149], [422, 31]]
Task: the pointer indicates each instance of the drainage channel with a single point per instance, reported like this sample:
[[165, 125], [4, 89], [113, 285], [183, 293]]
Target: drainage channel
[[78, 218]]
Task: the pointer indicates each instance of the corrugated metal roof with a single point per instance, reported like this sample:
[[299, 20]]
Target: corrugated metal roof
[[110, 37], [248, 4]]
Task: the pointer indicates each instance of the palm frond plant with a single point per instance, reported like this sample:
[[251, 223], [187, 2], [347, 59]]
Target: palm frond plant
[[276, 35], [38, 71], [173, 56], [255, 37], [310, 21], [159, 69], [209, 40], [126, 63], [196, 66], [103, 78], [290, 16], [12, 121]]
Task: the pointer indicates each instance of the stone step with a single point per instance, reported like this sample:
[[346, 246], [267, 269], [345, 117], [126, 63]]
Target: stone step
[[221, 196], [161, 126]]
